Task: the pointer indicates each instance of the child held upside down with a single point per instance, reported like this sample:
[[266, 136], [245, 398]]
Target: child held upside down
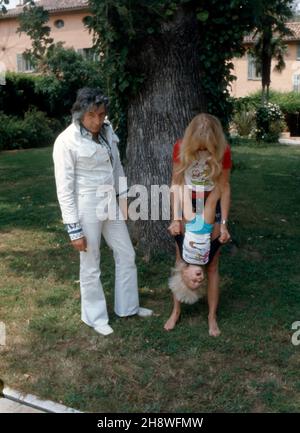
[[197, 249]]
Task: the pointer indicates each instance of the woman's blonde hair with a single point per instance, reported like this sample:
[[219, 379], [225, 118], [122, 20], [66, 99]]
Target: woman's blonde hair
[[181, 290], [204, 131]]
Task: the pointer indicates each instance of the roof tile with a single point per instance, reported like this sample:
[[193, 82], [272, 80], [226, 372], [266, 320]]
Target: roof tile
[[51, 6]]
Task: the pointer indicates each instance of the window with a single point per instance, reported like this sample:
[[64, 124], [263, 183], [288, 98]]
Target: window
[[59, 24], [2, 81], [252, 71], [298, 52], [23, 64], [88, 54], [296, 83]]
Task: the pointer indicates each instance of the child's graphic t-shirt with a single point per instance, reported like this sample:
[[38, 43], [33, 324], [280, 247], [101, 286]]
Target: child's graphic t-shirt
[[196, 243], [196, 176]]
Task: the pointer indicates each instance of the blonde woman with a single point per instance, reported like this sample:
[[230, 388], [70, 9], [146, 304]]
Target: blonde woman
[[201, 160]]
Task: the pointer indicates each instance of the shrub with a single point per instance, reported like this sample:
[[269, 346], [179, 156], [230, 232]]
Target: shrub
[[67, 71], [246, 103], [269, 122], [244, 122], [35, 130], [54, 91], [20, 93], [289, 103], [10, 132]]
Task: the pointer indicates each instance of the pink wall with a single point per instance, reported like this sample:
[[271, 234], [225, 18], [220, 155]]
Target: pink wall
[[279, 81], [74, 34]]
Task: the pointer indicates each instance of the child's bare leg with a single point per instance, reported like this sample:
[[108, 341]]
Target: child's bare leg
[[188, 212], [210, 205], [213, 297], [213, 290], [171, 322]]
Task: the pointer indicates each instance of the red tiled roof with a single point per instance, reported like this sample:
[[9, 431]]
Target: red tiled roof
[[51, 6], [293, 26]]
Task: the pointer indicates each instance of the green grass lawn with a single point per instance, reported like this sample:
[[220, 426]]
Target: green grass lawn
[[252, 366]]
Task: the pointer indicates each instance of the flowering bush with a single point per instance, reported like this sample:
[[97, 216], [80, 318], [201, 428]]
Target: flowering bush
[[269, 122]]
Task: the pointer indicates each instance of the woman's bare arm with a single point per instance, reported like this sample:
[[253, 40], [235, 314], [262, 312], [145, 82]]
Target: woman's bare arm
[[224, 185], [176, 203]]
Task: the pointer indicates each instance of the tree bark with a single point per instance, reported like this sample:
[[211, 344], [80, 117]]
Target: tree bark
[[169, 98]]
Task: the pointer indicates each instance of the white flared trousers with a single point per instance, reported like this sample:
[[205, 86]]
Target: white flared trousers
[[93, 303]]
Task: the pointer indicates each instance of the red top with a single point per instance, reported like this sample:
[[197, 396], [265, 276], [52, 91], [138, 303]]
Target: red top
[[227, 162]]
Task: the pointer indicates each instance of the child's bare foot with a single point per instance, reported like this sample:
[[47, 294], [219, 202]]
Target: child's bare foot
[[171, 322], [213, 328]]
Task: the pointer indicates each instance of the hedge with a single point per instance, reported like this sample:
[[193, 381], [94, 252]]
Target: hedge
[[34, 130], [289, 103]]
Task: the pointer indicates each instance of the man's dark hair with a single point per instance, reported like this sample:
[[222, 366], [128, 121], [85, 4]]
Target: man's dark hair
[[87, 99]]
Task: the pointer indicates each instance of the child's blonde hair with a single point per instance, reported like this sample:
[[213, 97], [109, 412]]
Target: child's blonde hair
[[206, 131], [181, 290]]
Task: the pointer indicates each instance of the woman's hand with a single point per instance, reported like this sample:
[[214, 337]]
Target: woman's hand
[[80, 244], [175, 228], [225, 235]]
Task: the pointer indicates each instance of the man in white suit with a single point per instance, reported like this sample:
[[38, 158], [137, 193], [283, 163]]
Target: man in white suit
[[87, 163]]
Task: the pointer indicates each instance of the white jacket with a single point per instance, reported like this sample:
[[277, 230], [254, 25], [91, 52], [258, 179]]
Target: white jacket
[[81, 166]]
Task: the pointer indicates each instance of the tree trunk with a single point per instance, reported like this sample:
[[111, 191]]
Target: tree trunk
[[170, 97], [266, 63]]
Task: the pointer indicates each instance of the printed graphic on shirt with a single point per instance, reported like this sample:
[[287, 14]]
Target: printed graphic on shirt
[[197, 175], [196, 248]]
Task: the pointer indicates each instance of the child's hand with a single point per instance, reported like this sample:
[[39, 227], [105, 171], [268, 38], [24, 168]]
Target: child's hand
[[225, 236], [175, 228]]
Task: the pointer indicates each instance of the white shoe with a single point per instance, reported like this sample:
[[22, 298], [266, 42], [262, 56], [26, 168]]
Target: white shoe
[[144, 312], [104, 330]]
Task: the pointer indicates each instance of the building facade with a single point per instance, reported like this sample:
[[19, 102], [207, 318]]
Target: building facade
[[248, 81], [67, 18]]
